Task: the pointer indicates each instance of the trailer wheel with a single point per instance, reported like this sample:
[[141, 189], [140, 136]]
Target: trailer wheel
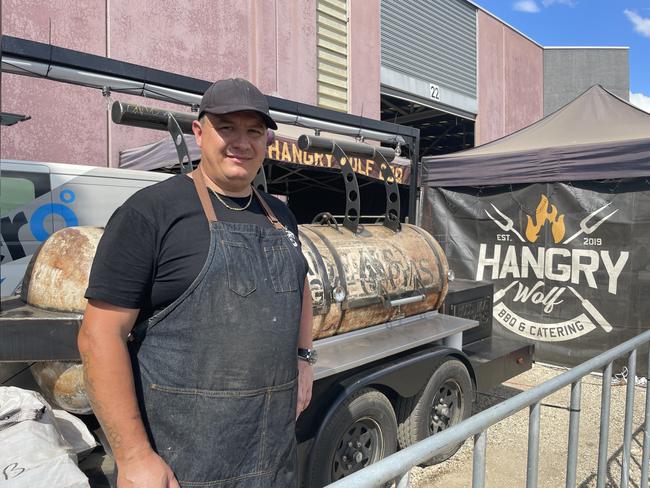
[[362, 430], [445, 401]]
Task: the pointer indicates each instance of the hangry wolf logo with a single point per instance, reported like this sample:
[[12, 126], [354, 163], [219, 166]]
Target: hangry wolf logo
[[561, 265]]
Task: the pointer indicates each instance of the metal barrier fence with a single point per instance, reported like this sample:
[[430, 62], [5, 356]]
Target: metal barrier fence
[[396, 467]]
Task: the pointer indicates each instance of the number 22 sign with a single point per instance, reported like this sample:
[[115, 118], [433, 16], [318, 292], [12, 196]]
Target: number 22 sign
[[434, 91]]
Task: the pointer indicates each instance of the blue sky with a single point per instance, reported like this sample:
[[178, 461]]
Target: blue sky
[[587, 23]]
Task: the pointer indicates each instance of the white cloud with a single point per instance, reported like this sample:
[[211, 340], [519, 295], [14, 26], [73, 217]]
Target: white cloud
[[641, 24], [528, 6], [640, 100], [531, 6], [570, 3]]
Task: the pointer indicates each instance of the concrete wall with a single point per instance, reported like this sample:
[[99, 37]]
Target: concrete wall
[[510, 80], [272, 43], [570, 71]]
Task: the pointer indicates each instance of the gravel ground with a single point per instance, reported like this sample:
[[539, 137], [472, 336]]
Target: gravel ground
[[508, 440]]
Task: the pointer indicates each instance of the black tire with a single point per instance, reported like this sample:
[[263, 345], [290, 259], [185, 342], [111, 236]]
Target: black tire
[[362, 430], [445, 401]]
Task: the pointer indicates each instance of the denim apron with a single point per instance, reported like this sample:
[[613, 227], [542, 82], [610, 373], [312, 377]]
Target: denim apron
[[216, 371]]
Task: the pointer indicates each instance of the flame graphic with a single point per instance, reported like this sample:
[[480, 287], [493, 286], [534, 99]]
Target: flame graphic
[[542, 215]]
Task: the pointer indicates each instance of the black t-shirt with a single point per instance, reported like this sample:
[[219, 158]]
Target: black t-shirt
[[157, 243]]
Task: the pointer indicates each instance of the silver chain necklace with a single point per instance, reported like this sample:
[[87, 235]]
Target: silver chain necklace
[[236, 209]]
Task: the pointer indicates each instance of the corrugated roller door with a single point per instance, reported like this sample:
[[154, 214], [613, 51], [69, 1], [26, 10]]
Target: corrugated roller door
[[434, 40], [332, 34]]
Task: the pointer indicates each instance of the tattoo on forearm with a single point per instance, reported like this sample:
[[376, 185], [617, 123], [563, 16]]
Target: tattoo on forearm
[[114, 437]]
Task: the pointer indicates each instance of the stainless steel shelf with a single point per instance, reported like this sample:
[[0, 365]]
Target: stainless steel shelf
[[347, 351]]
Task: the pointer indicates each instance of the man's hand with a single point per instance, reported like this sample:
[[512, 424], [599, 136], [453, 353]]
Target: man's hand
[[305, 382], [148, 470]]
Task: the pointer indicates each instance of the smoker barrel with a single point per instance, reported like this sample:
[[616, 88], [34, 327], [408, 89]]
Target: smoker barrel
[[57, 275], [62, 383], [357, 280], [374, 276]]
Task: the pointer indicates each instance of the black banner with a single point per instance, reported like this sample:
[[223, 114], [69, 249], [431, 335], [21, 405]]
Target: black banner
[[570, 263]]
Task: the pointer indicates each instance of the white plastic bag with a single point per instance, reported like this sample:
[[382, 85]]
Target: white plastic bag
[[75, 432], [34, 454]]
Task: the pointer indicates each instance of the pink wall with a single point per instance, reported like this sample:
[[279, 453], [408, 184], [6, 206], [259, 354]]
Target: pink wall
[[510, 80], [60, 130], [237, 39], [364, 61], [272, 43]]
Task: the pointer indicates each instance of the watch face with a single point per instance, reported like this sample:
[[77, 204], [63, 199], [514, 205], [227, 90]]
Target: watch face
[[309, 355]]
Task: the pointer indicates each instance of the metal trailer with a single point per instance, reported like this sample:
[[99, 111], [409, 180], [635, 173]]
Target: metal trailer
[[376, 389]]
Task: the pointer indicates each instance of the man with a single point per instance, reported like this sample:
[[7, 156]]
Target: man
[[199, 317]]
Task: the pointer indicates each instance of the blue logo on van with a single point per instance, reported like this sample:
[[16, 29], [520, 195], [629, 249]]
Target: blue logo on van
[[37, 222], [67, 196], [39, 217], [10, 227]]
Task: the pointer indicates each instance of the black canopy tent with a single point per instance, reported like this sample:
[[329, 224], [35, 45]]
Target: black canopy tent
[[596, 136], [557, 215]]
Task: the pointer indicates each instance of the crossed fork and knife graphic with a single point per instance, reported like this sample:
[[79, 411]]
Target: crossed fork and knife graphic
[[507, 225]]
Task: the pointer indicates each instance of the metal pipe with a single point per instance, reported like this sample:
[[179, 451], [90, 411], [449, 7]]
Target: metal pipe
[[60, 73], [646, 431], [310, 123], [26, 67], [403, 481], [23, 67], [149, 117], [415, 195], [419, 206], [396, 464], [629, 415], [478, 461], [109, 128], [574, 428], [407, 300], [532, 467], [605, 403], [350, 148]]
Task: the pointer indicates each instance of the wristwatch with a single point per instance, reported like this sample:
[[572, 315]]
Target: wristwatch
[[309, 355]]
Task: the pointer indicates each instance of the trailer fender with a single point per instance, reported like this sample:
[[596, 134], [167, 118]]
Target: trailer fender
[[407, 378]]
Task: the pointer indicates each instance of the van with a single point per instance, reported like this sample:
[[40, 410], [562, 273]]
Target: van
[[38, 198]]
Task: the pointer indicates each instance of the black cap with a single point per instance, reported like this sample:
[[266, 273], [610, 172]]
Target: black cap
[[235, 95]]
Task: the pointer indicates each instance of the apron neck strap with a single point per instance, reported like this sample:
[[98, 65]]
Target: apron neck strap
[[208, 208], [269, 213], [202, 191]]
